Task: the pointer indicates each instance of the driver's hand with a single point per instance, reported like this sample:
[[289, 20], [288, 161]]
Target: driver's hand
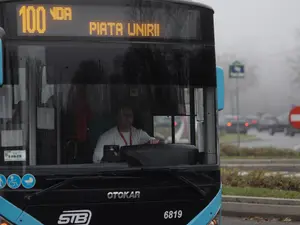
[[97, 159], [153, 141]]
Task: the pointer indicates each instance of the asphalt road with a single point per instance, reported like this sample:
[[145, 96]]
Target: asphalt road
[[243, 221], [278, 140]]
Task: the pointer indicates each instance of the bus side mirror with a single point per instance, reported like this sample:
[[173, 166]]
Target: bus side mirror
[[2, 34], [220, 88]]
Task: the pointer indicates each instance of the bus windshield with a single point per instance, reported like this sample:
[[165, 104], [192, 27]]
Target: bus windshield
[[78, 91], [62, 95]]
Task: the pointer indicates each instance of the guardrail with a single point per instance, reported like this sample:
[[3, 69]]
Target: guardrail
[[264, 207]]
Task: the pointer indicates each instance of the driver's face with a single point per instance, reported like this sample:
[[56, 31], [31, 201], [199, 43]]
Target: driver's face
[[126, 117]]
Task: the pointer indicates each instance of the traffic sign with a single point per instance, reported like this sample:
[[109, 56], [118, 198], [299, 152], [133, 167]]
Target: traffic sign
[[294, 117], [236, 70]]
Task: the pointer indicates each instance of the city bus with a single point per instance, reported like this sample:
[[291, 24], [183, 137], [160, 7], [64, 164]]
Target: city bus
[[66, 67]]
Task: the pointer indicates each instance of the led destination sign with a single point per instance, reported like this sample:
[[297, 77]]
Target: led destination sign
[[105, 21]]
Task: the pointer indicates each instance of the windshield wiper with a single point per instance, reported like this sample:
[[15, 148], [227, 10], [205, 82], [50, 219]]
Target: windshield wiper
[[71, 179], [184, 179]]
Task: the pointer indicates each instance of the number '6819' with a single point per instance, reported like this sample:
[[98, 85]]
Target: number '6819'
[[173, 214]]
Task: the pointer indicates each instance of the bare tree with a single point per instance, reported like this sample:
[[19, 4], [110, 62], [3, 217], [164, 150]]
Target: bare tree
[[294, 62]]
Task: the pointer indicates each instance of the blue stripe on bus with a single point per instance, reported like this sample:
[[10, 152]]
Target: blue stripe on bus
[[210, 211], [9, 211], [16, 215]]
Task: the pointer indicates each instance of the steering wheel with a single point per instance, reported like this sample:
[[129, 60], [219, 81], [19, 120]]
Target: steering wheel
[[160, 140]]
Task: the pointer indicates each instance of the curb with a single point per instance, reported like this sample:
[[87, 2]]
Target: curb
[[260, 200], [238, 206]]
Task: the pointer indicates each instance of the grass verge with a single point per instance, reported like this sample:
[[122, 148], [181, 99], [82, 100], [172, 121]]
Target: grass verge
[[258, 179], [231, 151], [229, 138], [260, 192]]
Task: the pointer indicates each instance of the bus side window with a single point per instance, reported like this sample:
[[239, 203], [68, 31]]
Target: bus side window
[[182, 130], [163, 129]]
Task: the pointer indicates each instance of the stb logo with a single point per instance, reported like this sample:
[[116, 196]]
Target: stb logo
[[76, 217]]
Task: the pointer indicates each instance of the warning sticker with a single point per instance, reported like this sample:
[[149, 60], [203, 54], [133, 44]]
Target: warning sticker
[[15, 156]]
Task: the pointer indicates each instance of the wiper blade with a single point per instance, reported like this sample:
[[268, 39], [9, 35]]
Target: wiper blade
[[71, 179], [192, 185], [174, 173]]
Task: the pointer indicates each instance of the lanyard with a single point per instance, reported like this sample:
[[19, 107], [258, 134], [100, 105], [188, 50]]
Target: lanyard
[[122, 136]]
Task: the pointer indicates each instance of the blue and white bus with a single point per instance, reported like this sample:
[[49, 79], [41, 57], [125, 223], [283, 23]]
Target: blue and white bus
[[65, 69]]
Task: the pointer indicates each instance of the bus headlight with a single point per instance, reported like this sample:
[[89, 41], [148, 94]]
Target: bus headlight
[[216, 220], [3, 221]]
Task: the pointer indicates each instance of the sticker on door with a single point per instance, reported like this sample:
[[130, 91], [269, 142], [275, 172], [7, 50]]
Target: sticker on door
[[14, 156]]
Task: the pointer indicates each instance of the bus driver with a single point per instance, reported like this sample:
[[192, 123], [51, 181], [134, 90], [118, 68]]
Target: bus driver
[[123, 134]]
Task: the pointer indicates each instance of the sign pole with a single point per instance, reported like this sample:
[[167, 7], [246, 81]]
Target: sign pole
[[238, 112], [237, 71]]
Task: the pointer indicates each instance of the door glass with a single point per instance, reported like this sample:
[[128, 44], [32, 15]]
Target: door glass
[[182, 129], [14, 112], [163, 129]]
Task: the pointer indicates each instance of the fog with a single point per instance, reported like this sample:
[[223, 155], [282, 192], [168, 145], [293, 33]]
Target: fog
[[263, 31]]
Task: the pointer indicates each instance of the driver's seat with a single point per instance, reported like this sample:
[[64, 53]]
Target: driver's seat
[[99, 125]]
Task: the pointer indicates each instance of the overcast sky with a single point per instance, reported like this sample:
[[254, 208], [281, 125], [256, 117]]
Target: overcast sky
[[264, 31], [266, 26]]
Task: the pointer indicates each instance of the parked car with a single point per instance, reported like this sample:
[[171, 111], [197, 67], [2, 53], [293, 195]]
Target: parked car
[[290, 131], [278, 125], [266, 122], [252, 120], [229, 124], [283, 125]]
